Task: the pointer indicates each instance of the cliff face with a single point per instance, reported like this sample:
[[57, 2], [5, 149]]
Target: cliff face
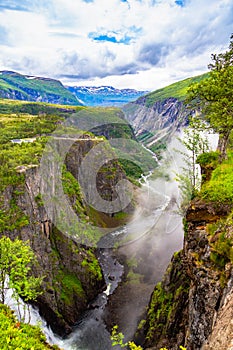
[[161, 119], [69, 284], [72, 274], [191, 305]]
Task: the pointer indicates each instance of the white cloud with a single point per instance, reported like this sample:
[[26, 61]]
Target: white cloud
[[164, 42]]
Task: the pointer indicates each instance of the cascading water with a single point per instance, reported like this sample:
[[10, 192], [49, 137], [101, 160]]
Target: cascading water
[[156, 230], [90, 332]]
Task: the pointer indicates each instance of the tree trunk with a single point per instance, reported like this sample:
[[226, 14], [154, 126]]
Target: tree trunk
[[222, 145]]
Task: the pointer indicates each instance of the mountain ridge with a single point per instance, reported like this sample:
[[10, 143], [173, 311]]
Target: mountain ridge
[[17, 86], [105, 95]]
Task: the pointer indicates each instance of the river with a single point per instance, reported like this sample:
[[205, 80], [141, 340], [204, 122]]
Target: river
[[147, 243], [148, 240]]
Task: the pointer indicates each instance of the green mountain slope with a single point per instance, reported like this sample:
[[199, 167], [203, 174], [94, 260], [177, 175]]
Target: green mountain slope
[[177, 90], [22, 87]]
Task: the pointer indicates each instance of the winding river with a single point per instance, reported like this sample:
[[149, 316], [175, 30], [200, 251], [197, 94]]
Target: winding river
[[150, 238], [147, 242]]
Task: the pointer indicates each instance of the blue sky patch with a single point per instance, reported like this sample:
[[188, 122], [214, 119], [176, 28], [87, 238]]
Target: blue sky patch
[[180, 3], [111, 38], [14, 5]]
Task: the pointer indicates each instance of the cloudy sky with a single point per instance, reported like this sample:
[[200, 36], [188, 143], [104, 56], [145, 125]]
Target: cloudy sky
[[143, 44]]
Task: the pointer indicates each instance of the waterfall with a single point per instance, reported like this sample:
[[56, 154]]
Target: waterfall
[[28, 314], [154, 217]]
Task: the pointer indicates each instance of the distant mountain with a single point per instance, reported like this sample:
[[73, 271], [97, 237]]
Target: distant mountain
[[30, 88], [105, 95]]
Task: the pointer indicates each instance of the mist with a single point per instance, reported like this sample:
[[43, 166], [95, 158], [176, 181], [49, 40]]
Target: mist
[[155, 233]]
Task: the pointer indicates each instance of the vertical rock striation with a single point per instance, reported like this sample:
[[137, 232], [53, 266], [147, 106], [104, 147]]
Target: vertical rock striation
[[71, 271], [192, 303]]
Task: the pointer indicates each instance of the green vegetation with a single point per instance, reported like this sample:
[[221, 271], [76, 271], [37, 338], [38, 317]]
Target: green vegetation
[[213, 97], [31, 89], [177, 90], [72, 189], [144, 136], [8, 106], [16, 258], [26, 154], [163, 316], [195, 145], [160, 308], [71, 286], [102, 116], [118, 339], [221, 242], [135, 160], [159, 147], [92, 265], [12, 218], [208, 159], [19, 336], [220, 187]]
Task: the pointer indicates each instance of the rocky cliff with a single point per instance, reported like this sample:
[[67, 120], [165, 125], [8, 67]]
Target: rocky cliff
[[158, 115], [71, 271], [156, 122], [191, 306]]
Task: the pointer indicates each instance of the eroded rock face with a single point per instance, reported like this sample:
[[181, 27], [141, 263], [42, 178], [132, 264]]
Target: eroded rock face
[[69, 284], [163, 119], [222, 333], [190, 305], [72, 275]]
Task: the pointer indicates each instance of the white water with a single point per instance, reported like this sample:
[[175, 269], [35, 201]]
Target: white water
[[156, 199], [154, 156], [28, 314], [91, 328]]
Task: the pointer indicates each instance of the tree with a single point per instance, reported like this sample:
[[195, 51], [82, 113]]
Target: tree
[[213, 97], [195, 143], [16, 259], [118, 339]]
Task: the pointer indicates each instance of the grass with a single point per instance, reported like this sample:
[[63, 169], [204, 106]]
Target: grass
[[220, 187], [177, 90], [8, 106], [31, 89]]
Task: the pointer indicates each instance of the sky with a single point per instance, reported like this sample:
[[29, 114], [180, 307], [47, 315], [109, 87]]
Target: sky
[[141, 44]]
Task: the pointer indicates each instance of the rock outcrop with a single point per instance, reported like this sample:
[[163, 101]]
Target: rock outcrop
[[157, 122], [68, 284], [191, 306], [71, 271]]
